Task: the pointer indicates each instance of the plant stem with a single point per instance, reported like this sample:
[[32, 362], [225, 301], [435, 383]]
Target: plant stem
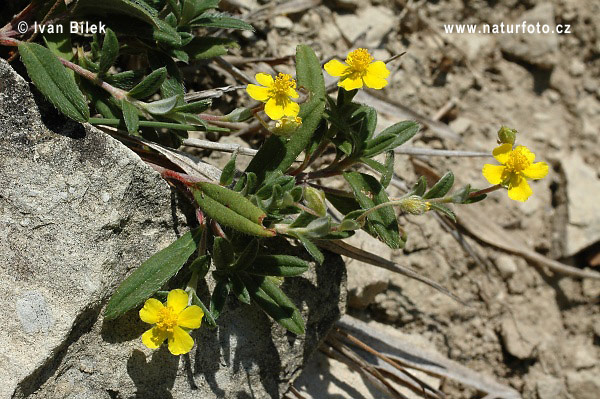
[[360, 220], [485, 191]]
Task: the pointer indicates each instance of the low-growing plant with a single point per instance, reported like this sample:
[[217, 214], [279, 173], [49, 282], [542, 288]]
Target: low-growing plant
[[276, 195]]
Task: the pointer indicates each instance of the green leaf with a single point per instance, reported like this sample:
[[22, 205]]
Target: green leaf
[[228, 172], [219, 20], [419, 187], [53, 81], [219, 298], [150, 84], [369, 193], [109, 53], [124, 80], [192, 8], [391, 138], [231, 209], [239, 289], [388, 174], [60, 44], [441, 187], [130, 115], [274, 302], [278, 265], [208, 317], [238, 115], [443, 210], [222, 253], [247, 256], [201, 265], [311, 248], [160, 107], [276, 153], [152, 275], [203, 48], [194, 107]]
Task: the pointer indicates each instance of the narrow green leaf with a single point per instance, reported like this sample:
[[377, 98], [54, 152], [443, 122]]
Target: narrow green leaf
[[231, 209], [419, 187], [388, 174], [239, 115], [441, 188], [53, 81], [222, 253], [60, 44], [239, 289], [369, 193], [312, 249], [274, 302], [160, 107], [219, 20], [203, 48], [391, 138], [201, 265], [228, 172], [192, 8], [247, 256], [194, 107], [109, 53], [130, 115], [208, 317], [152, 275], [150, 84], [443, 210], [219, 298], [278, 265], [276, 153]]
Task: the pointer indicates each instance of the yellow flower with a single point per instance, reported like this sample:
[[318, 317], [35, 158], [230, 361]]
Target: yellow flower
[[517, 166], [172, 321], [276, 94], [360, 70]]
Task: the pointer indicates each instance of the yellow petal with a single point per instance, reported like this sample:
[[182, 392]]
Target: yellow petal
[[149, 313], [291, 93], [190, 317], [378, 69], [351, 83], [493, 173], [180, 342], [177, 300], [264, 79], [291, 109], [257, 92], [274, 110], [536, 171], [502, 152], [336, 68], [525, 151], [519, 189], [154, 337], [374, 81]]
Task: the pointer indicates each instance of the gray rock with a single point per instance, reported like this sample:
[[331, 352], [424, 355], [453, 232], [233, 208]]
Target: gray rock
[[549, 387], [583, 186], [538, 49], [373, 22], [583, 384], [506, 265], [79, 211]]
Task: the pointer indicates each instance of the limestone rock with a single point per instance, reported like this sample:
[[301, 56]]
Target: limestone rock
[[374, 22], [583, 187], [538, 49], [583, 384], [79, 211]]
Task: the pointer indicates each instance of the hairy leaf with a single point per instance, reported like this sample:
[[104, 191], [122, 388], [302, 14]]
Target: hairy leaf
[[278, 265], [220, 20], [55, 83], [109, 53], [440, 188], [150, 84], [152, 275], [391, 138], [130, 115]]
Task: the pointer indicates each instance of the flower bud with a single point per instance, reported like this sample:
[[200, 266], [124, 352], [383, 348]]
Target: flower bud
[[414, 205], [507, 135], [315, 199], [287, 125]]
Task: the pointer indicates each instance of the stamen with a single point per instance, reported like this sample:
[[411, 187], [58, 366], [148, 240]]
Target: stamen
[[359, 59]]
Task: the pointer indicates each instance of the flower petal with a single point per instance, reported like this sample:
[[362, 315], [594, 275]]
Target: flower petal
[[502, 152], [493, 173], [190, 317], [351, 82], [291, 93], [378, 69], [177, 300], [336, 68], [180, 341], [525, 151], [519, 189], [149, 313], [536, 170], [274, 110], [257, 92], [154, 337], [374, 82], [264, 79], [291, 109]]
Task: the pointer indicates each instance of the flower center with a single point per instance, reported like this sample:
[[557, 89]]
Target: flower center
[[359, 60], [283, 82], [517, 161], [167, 319]]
